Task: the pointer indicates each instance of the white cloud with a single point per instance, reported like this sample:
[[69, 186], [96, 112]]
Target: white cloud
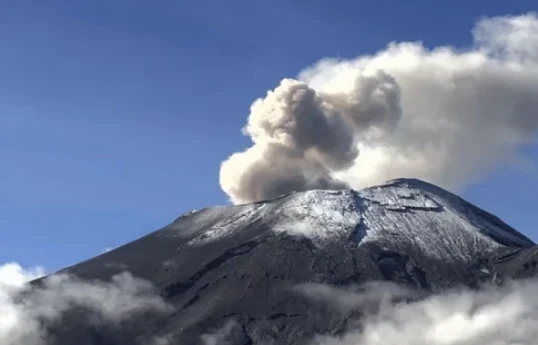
[[22, 319], [221, 335], [505, 315], [370, 295], [446, 115], [13, 275]]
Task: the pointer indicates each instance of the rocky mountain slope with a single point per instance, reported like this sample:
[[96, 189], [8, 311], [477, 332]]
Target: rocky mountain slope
[[241, 264]]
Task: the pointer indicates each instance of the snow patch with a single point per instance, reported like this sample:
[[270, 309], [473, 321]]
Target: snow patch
[[398, 215]]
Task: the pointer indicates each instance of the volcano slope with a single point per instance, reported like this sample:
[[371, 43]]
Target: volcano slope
[[238, 267]]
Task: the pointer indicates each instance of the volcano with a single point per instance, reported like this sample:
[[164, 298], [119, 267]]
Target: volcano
[[239, 266]]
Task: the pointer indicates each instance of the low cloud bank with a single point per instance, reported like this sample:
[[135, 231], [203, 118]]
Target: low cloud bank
[[25, 311], [494, 315]]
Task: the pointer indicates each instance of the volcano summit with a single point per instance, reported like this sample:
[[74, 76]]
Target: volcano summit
[[257, 272]]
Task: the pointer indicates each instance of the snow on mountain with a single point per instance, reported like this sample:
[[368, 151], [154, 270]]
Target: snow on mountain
[[397, 216], [243, 263]]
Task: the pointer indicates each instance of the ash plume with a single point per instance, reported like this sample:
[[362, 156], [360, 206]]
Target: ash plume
[[445, 115]]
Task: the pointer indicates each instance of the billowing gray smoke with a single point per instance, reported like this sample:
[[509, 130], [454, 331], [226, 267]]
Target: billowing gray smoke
[[443, 115]]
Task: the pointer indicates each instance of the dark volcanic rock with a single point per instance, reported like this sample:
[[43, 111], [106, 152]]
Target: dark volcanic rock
[[236, 266]]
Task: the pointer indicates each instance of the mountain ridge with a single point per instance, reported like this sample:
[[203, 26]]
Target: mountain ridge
[[240, 263]]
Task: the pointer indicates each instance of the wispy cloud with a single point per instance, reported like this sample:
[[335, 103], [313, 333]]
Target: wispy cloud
[[25, 310], [221, 336], [497, 315]]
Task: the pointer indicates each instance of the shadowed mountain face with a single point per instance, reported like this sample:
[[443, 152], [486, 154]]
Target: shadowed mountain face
[[239, 266]]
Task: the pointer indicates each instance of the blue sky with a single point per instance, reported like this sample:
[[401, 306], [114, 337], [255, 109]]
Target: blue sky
[[116, 115]]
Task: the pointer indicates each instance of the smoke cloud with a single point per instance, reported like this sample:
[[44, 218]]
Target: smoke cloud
[[445, 115], [494, 315], [25, 311]]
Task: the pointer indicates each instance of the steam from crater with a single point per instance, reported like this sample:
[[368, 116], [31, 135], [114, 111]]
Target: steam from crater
[[445, 115]]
